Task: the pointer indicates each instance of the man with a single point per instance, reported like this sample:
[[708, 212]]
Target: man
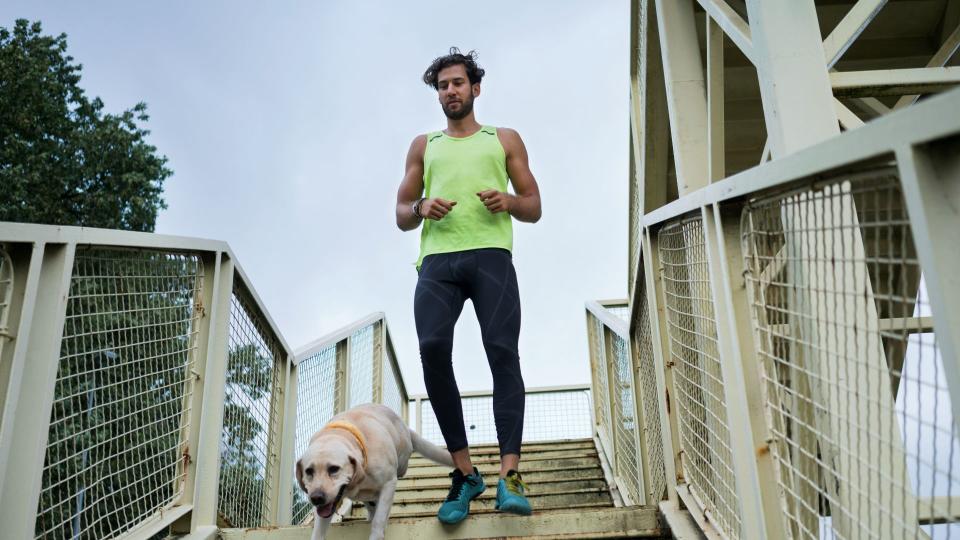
[[456, 184]]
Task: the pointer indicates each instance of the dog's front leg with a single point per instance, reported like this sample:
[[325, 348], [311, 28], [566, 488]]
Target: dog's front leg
[[382, 512], [320, 526]]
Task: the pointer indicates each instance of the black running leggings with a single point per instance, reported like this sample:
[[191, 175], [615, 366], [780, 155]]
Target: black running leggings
[[488, 279]]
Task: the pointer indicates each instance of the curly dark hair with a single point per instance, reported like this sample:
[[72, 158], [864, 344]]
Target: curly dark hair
[[468, 61]]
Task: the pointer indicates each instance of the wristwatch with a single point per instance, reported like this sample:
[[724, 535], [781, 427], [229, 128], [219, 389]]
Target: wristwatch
[[416, 207]]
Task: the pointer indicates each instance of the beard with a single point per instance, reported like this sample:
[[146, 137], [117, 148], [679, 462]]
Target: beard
[[466, 107]]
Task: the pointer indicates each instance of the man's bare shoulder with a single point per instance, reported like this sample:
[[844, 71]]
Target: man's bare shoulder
[[510, 139], [418, 146]]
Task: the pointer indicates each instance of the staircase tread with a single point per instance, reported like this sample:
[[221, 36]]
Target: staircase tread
[[493, 482], [483, 511], [526, 459], [491, 494]]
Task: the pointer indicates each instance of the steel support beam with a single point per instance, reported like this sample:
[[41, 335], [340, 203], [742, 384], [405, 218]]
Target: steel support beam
[[716, 169], [940, 59], [686, 92], [850, 28], [797, 100], [732, 24], [894, 82]]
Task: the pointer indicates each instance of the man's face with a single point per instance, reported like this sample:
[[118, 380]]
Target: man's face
[[455, 92]]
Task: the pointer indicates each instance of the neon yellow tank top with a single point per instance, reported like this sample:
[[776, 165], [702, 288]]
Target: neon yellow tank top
[[457, 169]]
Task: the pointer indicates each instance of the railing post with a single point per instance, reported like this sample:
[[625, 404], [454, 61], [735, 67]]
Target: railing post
[[342, 386], [26, 421], [661, 357], [379, 360], [284, 498], [419, 408], [212, 371], [753, 465]]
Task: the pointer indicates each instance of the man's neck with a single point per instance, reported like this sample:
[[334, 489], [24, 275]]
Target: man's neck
[[463, 127]]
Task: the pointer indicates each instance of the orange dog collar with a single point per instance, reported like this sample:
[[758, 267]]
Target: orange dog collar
[[356, 434]]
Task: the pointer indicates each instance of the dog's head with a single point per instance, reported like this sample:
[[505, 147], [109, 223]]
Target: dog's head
[[329, 465]]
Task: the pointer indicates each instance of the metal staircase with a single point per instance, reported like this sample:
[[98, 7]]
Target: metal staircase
[[567, 488]]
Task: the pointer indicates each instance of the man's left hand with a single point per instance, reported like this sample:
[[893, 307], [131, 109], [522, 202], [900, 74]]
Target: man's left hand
[[495, 201]]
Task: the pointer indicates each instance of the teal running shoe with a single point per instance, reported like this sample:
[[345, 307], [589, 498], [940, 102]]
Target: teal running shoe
[[464, 489], [510, 497]]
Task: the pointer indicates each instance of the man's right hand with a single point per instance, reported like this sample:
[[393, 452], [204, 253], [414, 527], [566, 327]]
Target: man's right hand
[[436, 208]]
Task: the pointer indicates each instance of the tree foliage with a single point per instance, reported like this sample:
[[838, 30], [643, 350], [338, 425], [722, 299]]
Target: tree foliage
[[63, 160]]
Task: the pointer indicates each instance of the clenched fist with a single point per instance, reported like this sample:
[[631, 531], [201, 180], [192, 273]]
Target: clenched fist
[[436, 208], [495, 201]]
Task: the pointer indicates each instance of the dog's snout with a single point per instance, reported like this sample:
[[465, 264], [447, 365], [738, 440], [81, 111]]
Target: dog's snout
[[318, 499]]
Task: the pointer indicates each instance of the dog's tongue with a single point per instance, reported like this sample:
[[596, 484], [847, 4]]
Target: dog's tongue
[[325, 511]]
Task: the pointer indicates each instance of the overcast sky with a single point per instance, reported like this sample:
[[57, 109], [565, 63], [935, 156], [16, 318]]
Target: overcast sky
[[286, 125]]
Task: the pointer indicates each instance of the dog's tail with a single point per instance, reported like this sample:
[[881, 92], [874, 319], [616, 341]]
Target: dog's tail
[[430, 451]]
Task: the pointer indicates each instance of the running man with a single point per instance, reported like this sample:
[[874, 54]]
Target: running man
[[456, 184]]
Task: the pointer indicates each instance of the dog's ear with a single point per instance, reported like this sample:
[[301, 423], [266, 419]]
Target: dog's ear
[[356, 460], [300, 476]]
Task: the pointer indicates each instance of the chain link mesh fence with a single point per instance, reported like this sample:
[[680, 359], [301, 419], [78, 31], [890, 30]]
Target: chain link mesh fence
[[317, 380], [647, 382], [547, 416], [392, 393], [601, 385], [626, 452], [122, 394], [252, 407], [865, 443], [361, 366], [702, 414]]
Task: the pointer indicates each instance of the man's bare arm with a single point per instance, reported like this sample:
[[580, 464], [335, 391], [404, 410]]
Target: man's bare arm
[[525, 205], [411, 189]]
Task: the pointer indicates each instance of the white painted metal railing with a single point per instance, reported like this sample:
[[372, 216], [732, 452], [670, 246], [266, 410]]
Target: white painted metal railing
[[627, 433], [551, 413], [145, 387], [793, 330]]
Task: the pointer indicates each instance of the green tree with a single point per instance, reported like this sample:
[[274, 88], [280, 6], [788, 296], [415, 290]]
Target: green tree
[[62, 159]]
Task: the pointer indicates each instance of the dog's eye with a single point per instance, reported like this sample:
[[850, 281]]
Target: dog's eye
[[309, 471], [333, 469]]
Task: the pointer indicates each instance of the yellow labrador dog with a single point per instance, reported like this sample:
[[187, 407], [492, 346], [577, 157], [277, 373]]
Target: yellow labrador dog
[[360, 454]]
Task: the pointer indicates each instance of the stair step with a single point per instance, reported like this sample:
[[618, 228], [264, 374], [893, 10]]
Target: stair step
[[435, 497], [525, 450], [558, 483], [525, 465], [428, 505], [531, 475], [416, 463], [576, 524]]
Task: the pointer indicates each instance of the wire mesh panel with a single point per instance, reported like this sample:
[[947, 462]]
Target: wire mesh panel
[[547, 416], [647, 383], [623, 312], [626, 453], [864, 439], [392, 394], [250, 415], [316, 387], [601, 386], [121, 399], [692, 328], [6, 295], [361, 367]]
